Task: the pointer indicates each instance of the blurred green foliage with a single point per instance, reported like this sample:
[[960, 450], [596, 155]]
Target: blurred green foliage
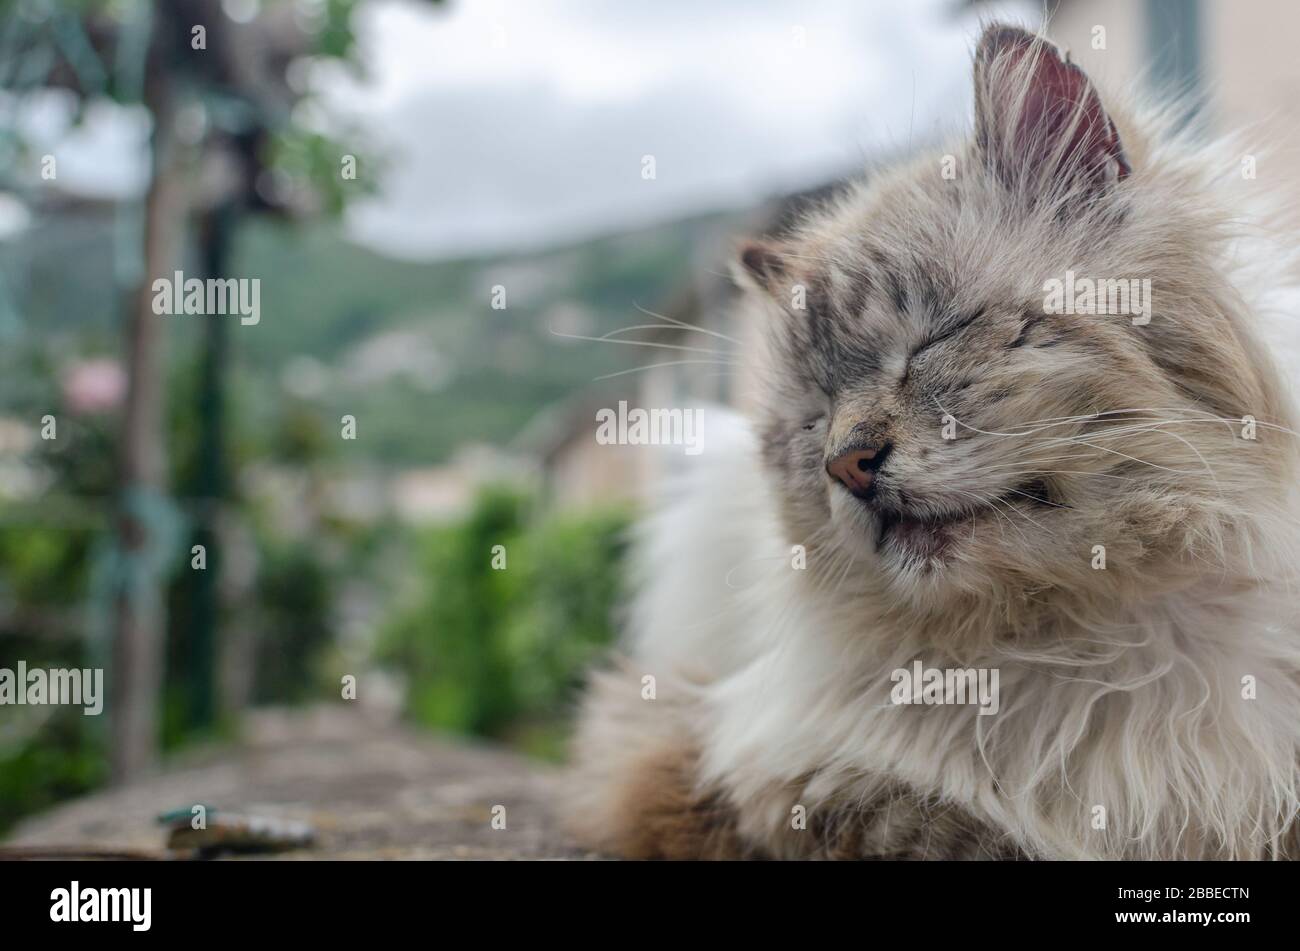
[[293, 594], [46, 753], [499, 651], [68, 761]]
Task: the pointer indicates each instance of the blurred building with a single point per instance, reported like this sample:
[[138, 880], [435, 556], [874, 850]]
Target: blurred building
[[574, 470], [1235, 63]]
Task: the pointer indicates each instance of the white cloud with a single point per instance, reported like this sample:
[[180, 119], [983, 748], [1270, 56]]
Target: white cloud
[[515, 124], [105, 155]]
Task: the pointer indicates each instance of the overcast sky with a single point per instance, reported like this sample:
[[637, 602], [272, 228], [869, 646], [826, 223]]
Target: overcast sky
[[509, 124], [513, 124]]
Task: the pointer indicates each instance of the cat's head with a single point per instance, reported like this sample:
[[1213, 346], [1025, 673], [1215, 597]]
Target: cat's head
[[946, 406]]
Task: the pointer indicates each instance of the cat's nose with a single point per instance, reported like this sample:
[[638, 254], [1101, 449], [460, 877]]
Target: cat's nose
[[855, 468]]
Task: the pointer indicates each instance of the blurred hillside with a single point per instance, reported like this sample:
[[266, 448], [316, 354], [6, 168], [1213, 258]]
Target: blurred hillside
[[413, 349]]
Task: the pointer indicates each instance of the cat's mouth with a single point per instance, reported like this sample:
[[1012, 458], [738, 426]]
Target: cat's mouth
[[925, 538]]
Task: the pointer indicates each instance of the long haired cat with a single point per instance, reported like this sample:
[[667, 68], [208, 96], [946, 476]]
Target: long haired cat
[[966, 467]]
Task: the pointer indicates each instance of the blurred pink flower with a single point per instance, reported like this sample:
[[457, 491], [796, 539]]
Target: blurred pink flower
[[93, 386]]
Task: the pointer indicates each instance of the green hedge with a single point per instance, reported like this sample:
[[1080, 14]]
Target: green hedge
[[499, 651]]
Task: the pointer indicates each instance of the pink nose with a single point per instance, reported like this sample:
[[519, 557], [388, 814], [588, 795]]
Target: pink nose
[[856, 468]]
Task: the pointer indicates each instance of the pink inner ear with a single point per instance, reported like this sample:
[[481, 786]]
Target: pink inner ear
[[1040, 114]]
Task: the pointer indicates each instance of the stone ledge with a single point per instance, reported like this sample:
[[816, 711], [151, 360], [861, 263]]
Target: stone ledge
[[372, 790]]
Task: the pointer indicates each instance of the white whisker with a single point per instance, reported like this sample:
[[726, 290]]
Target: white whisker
[[685, 325]]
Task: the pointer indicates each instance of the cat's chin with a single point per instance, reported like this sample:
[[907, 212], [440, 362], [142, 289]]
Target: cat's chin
[[899, 543], [928, 545], [911, 544]]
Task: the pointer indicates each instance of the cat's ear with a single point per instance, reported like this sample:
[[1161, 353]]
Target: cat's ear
[[1039, 122], [764, 266]]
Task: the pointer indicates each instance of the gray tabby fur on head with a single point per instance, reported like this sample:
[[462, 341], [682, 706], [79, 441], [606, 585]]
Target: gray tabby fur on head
[[925, 304]]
